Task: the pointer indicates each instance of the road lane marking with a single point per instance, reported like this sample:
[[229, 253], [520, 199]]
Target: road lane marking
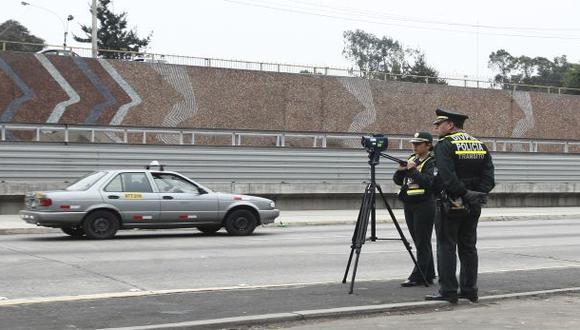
[[130, 294]]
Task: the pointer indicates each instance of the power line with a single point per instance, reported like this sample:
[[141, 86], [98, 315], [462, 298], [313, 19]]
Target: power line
[[270, 6]]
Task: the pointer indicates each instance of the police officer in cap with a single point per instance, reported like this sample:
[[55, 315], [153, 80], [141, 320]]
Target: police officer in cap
[[466, 174], [416, 179]]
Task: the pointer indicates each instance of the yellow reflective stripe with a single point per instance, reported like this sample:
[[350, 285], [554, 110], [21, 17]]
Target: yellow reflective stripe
[[475, 152], [415, 191], [423, 163], [468, 141], [456, 134]]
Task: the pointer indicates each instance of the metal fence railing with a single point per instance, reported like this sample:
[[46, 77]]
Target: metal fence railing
[[12, 132], [149, 57]]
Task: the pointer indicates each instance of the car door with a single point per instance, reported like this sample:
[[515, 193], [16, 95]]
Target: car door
[[183, 202], [132, 194]]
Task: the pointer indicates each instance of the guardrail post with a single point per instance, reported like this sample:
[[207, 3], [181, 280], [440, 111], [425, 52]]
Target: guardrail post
[[92, 136], [65, 133], [504, 146], [548, 90], [234, 139], [326, 71], [3, 46], [566, 147], [401, 143], [3, 132], [144, 138], [314, 142], [532, 149], [283, 140], [494, 143], [125, 137], [38, 134], [192, 138], [278, 67], [324, 141], [559, 90], [261, 66]]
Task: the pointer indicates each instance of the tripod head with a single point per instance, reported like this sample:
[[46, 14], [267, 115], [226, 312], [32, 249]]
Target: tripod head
[[375, 145]]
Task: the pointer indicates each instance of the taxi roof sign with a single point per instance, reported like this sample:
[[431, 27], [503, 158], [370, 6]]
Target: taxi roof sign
[[155, 163]]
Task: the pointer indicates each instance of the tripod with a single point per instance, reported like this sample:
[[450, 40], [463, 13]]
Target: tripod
[[368, 210]]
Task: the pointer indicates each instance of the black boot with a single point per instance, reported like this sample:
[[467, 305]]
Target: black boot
[[450, 298]]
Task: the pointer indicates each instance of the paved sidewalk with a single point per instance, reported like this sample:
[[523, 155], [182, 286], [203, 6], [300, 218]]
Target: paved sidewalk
[[11, 224]]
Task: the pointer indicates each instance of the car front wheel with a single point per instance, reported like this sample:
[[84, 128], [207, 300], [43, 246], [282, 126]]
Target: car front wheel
[[73, 231], [241, 223], [101, 225]]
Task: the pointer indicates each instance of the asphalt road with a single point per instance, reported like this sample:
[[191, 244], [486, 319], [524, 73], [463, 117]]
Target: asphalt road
[[52, 265]]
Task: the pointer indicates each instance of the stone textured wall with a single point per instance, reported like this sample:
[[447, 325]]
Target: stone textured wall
[[40, 89]]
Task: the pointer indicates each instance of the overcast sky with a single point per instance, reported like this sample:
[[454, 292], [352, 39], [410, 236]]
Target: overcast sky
[[456, 36]]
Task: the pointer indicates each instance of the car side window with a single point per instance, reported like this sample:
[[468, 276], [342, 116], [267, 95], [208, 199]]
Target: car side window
[[116, 185], [172, 183], [129, 182]]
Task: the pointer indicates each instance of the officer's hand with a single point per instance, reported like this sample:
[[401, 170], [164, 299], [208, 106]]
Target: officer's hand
[[401, 168], [475, 197], [411, 165]]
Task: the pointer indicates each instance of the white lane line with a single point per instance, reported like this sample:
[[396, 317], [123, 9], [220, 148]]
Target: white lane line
[[128, 294]]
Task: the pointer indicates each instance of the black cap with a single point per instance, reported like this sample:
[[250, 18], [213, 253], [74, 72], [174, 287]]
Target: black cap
[[443, 115], [422, 137]]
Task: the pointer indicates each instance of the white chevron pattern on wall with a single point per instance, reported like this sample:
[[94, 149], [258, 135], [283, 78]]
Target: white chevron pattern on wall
[[361, 90], [73, 96], [178, 78], [524, 101]]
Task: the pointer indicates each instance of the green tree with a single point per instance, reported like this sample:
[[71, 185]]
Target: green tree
[[419, 70], [113, 33], [385, 57], [572, 78], [12, 30], [526, 70]]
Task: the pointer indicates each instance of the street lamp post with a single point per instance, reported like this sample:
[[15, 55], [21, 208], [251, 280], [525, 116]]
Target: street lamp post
[[64, 26]]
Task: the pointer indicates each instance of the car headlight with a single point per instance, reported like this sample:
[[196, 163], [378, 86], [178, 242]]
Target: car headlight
[[273, 204]]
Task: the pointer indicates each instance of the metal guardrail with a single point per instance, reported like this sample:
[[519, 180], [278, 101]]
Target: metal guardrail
[[191, 136], [294, 68], [33, 163]]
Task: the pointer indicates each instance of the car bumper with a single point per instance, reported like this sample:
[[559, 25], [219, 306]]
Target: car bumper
[[268, 216], [52, 219]]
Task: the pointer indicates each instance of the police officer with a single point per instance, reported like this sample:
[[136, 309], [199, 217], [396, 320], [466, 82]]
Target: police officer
[[416, 193], [466, 173]]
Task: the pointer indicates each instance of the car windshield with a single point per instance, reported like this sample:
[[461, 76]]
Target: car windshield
[[86, 181]]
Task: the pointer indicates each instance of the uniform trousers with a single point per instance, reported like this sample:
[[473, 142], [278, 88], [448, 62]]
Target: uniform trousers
[[420, 217], [457, 236]]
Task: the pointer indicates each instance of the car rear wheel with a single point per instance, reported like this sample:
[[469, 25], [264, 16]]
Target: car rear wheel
[[209, 229], [74, 231], [241, 223], [101, 225]]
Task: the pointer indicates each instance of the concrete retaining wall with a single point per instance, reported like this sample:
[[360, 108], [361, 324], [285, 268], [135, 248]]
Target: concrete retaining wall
[[35, 88]]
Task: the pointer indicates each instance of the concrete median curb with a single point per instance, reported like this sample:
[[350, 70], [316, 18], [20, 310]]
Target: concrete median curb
[[338, 312], [19, 227]]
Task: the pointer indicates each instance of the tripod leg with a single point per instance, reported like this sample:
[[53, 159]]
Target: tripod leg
[[348, 265], [354, 271], [402, 235], [359, 236]]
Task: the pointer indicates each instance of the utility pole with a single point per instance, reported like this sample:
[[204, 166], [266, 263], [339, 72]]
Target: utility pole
[[94, 28]]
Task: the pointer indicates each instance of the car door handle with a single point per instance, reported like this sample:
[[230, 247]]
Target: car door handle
[[113, 197], [167, 197]]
